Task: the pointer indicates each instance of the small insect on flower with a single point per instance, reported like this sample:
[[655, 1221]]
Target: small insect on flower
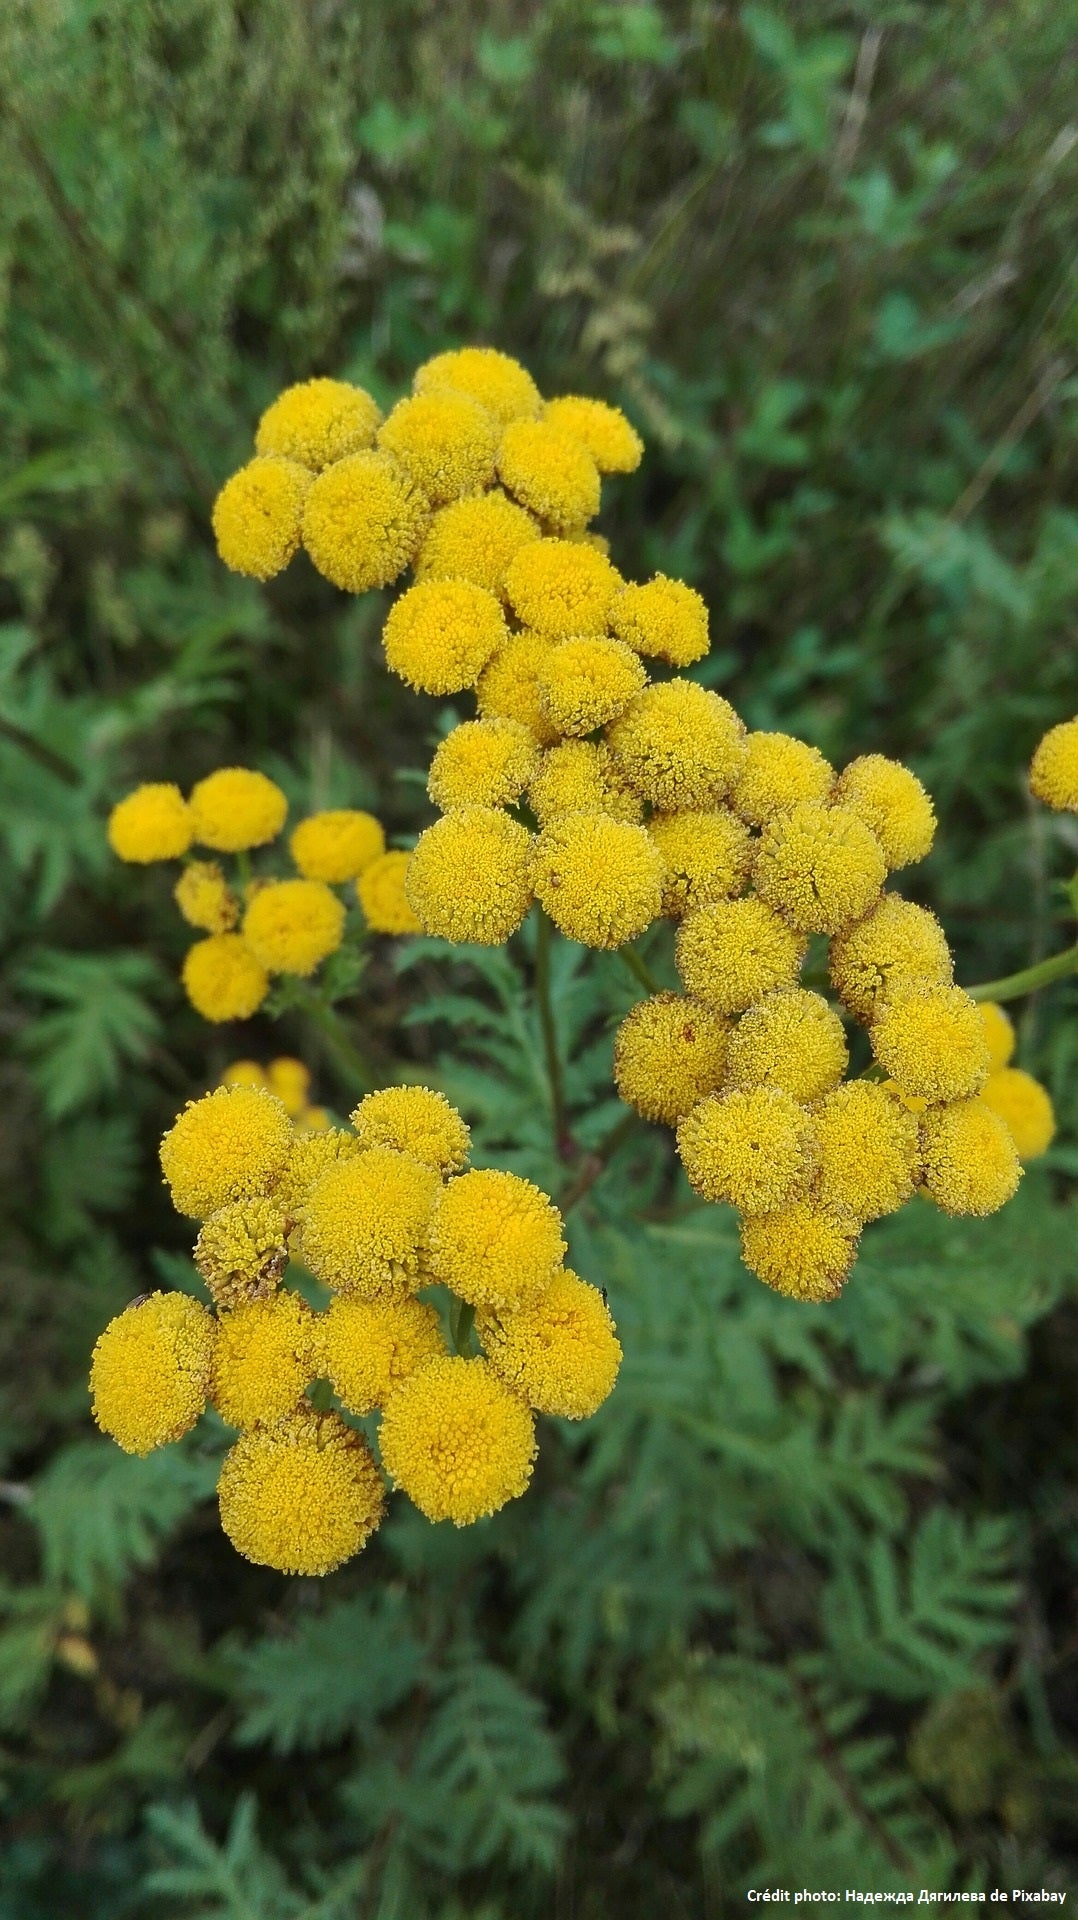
[[678, 744], [1025, 1107], [237, 808], [732, 952], [317, 422], [445, 442], [892, 803], [1053, 773], [669, 1051], [370, 1347], [600, 880], [232, 1144], [150, 1372], [338, 845], [614, 445], [258, 516], [495, 380], [559, 1352], [550, 472], [301, 1496], [291, 926], [476, 540], [381, 893], [469, 877], [778, 771], [753, 1148], [457, 1441], [414, 1120], [494, 1239], [363, 521], [562, 588], [441, 633], [663, 619], [152, 823]]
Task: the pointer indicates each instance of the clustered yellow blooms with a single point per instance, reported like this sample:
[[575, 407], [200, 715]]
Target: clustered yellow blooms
[[290, 1080], [380, 1214]]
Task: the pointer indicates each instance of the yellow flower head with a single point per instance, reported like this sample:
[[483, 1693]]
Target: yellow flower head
[[562, 588], [599, 879], [669, 1052], [444, 441], [777, 772], [312, 1155], [550, 472], [706, 856], [895, 944], [222, 979], [678, 745], [230, 1145], [559, 1352], [1053, 773], [508, 688], [363, 521], [664, 619], [302, 1496], [1025, 1107], [753, 1148], [152, 823], [495, 380], [790, 1039], [614, 445], [802, 1250], [456, 1441], [265, 1359], [579, 776], [242, 1250], [441, 633], [930, 1039], [205, 898], [338, 845], [476, 540], [820, 867], [317, 422], [868, 1151], [732, 952], [482, 763], [237, 808], [968, 1157], [370, 1347], [494, 1238], [258, 515], [414, 1120], [364, 1223], [999, 1033], [292, 925], [469, 877], [244, 1073], [150, 1371], [584, 683], [381, 894], [290, 1080], [893, 803]]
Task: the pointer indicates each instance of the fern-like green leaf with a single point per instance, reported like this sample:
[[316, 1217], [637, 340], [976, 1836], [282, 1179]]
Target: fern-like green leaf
[[101, 1513], [332, 1675], [100, 1021]]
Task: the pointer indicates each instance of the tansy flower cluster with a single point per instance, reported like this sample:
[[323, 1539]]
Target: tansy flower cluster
[[393, 1223], [290, 1080]]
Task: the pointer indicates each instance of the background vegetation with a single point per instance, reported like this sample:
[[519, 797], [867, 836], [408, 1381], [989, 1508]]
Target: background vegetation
[[798, 1607]]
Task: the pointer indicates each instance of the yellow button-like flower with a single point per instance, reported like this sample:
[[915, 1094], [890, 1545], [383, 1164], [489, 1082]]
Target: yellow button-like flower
[[494, 1238], [237, 808], [790, 1039], [222, 979], [893, 803], [414, 1120], [365, 1220], [232, 1144], [678, 745], [819, 866], [205, 898], [290, 1080], [706, 856], [244, 1073], [482, 763], [1053, 773], [969, 1159], [444, 441], [258, 515], [895, 944], [753, 1148], [549, 472], [778, 771], [508, 688], [469, 877], [302, 1496], [363, 521], [999, 1033], [614, 445], [441, 633], [664, 619], [1025, 1107], [318, 421], [581, 776], [370, 1347], [338, 845], [312, 1155], [868, 1151], [559, 1352], [150, 1371], [669, 1051], [930, 1039], [562, 588], [292, 925], [457, 1441], [381, 893], [599, 879], [732, 952], [495, 380], [242, 1250], [265, 1359], [801, 1251], [584, 683], [152, 823], [476, 540]]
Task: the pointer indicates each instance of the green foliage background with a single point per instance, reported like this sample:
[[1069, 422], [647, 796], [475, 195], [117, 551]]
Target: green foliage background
[[798, 1606]]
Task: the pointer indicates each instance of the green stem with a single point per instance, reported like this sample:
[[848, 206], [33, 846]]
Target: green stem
[[639, 969], [332, 1028], [545, 1006], [461, 1320], [1042, 974], [243, 871]]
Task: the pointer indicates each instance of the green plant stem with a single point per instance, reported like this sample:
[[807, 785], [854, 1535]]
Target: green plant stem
[[461, 1320], [332, 1028], [597, 1162], [639, 969], [243, 870], [1029, 979], [559, 1118]]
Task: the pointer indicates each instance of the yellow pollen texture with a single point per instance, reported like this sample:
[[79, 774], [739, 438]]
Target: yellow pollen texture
[[508, 688], [445, 442], [364, 1223], [222, 979], [1053, 773], [152, 823], [562, 588], [930, 1040], [778, 771], [549, 472], [580, 776], [469, 876], [363, 521], [969, 1159], [600, 880], [301, 1496], [584, 683], [150, 1371], [614, 445], [706, 856], [896, 944], [732, 952], [291, 926], [753, 1148], [317, 422], [483, 763], [790, 1039], [370, 1347], [893, 803], [819, 866], [669, 1052], [337, 846], [381, 893], [998, 1032], [204, 897], [457, 1441], [559, 1352], [312, 1155], [232, 1144], [1025, 1107], [663, 619], [242, 1249], [801, 1251], [494, 1238], [868, 1151], [258, 516], [265, 1360], [494, 380], [441, 633], [476, 540], [237, 808], [414, 1120], [678, 744]]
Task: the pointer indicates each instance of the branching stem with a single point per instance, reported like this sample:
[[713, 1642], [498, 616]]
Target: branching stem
[[1028, 979]]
